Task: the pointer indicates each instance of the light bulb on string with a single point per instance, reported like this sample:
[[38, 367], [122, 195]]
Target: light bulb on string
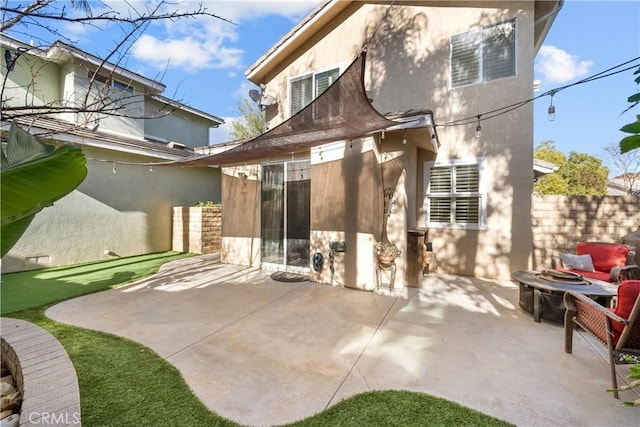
[[114, 169], [150, 168], [478, 128], [404, 137], [551, 111]]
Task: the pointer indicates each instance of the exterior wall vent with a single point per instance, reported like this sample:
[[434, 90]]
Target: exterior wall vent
[[176, 145]]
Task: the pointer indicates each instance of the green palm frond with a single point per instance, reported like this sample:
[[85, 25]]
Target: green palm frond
[[33, 176]]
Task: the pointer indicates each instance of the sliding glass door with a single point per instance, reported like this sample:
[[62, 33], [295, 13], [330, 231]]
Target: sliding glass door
[[286, 190]]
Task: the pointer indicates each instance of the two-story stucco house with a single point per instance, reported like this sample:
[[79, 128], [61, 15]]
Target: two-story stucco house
[[454, 170], [121, 208]]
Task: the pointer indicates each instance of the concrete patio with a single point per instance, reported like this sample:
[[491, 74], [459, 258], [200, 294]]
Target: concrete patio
[[263, 352]]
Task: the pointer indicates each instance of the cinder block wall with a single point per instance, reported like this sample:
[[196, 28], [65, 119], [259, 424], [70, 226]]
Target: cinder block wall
[[197, 230], [559, 222]]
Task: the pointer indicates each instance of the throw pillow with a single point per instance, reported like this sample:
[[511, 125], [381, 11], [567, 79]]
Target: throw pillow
[[577, 262]]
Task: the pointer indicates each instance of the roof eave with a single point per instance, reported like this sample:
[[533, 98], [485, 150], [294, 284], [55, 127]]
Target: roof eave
[[548, 11], [318, 18], [60, 49], [216, 121]]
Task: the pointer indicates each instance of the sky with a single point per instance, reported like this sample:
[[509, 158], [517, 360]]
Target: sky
[[202, 61]]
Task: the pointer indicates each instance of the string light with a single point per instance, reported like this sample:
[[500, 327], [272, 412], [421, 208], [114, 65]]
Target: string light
[[617, 69], [495, 112], [404, 137], [551, 111], [150, 168]]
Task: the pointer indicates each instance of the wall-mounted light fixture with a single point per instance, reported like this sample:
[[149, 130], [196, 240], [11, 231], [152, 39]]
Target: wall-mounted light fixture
[[11, 56], [243, 180]]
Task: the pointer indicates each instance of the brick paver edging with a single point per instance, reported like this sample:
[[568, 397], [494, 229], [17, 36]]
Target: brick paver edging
[[43, 373]]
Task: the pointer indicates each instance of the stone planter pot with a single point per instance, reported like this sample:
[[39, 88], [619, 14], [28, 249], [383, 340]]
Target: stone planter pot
[[382, 259]]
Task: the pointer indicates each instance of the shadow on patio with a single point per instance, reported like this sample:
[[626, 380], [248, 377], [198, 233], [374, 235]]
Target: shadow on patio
[[265, 352]]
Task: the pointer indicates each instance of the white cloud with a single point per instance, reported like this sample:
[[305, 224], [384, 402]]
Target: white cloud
[[187, 53], [244, 10], [558, 66], [206, 42]]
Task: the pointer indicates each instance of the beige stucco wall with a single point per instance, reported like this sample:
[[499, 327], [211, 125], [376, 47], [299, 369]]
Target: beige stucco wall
[[127, 213], [177, 126], [408, 66]]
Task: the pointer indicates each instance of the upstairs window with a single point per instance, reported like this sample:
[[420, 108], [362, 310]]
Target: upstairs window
[[483, 55], [305, 89], [455, 195], [108, 82]]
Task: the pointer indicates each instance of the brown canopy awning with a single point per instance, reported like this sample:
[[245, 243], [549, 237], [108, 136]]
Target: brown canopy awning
[[341, 112]]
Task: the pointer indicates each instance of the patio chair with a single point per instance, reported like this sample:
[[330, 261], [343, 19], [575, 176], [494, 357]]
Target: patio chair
[[617, 329]]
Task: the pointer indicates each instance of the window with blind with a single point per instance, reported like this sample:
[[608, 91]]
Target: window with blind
[[483, 55], [305, 89], [108, 82], [454, 194]]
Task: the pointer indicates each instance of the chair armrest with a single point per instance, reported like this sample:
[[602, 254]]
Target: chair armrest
[[591, 306], [556, 263]]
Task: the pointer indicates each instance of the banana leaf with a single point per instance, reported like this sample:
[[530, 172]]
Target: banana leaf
[[33, 176]]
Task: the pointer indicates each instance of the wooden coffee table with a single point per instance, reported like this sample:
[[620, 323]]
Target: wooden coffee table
[[544, 297]]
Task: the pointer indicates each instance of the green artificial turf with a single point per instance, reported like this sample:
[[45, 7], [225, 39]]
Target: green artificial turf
[[123, 383], [27, 289], [398, 408]]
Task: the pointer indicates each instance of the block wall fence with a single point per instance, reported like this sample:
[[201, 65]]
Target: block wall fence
[[559, 222], [197, 230]]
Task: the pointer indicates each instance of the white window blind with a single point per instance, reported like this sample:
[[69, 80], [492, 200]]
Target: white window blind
[[301, 93], [483, 55], [454, 195], [324, 80], [465, 51], [305, 89]]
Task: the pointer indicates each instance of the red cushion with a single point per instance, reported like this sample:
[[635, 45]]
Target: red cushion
[[628, 292], [598, 275], [605, 256]]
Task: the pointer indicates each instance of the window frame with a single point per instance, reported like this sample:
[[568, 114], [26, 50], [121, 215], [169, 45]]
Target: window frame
[[311, 75], [481, 194], [481, 79], [111, 82]]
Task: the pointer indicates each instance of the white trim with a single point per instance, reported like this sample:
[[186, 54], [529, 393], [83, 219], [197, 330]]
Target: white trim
[[482, 193]]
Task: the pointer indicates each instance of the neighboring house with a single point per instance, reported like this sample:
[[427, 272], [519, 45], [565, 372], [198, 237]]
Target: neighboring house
[[627, 184], [121, 208], [433, 60], [542, 168]]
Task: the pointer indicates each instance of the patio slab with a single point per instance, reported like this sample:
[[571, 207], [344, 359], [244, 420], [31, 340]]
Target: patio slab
[[263, 352]]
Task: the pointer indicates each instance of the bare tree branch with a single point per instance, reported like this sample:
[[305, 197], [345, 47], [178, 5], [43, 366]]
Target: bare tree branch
[[21, 13], [109, 16]]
